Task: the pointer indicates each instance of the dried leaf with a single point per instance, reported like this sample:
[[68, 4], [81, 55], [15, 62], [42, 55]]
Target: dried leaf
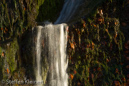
[[3, 54], [117, 71], [117, 83], [6, 29], [93, 45], [106, 30], [71, 76], [1, 28], [84, 25], [115, 35], [72, 45], [7, 70], [107, 60], [123, 79]]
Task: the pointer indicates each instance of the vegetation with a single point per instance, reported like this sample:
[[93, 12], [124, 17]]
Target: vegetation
[[98, 44], [17, 17], [97, 54]]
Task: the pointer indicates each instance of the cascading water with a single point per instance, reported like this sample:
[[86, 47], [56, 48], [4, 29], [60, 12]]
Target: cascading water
[[52, 42], [38, 55], [69, 8], [51, 45]]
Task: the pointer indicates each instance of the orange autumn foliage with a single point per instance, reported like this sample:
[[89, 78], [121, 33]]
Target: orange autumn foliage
[[106, 30], [78, 32], [24, 9], [92, 75], [95, 25], [71, 76], [7, 70], [117, 70], [117, 83], [123, 79], [70, 58], [116, 23], [1, 28], [88, 46], [3, 54], [115, 36], [107, 60], [125, 84], [84, 25], [93, 45], [72, 45], [6, 29]]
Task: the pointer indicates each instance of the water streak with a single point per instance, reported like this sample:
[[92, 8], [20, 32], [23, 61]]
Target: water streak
[[69, 8], [38, 55]]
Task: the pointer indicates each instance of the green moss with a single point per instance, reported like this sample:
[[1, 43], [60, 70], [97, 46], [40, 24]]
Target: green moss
[[11, 55], [1, 65], [97, 62]]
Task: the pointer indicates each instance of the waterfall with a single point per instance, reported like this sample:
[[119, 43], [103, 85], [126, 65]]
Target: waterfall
[[63, 44], [51, 45], [69, 9], [38, 55]]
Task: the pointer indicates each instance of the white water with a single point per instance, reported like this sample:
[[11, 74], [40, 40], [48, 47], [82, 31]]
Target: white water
[[38, 55], [64, 64], [55, 43], [57, 36]]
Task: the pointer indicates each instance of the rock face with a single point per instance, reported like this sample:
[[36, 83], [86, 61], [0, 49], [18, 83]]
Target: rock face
[[9, 59], [125, 20], [16, 40], [95, 49], [75, 9]]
